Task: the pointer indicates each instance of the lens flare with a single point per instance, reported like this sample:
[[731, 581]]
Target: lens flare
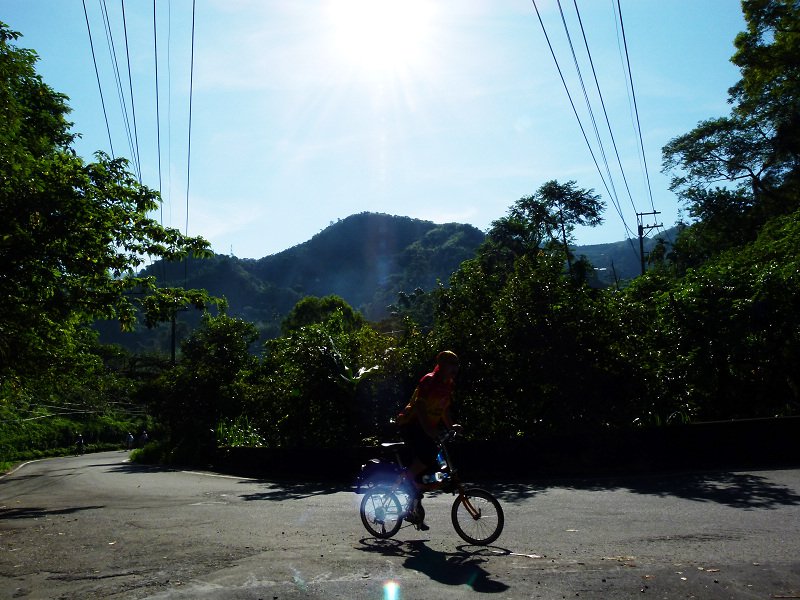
[[391, 590]]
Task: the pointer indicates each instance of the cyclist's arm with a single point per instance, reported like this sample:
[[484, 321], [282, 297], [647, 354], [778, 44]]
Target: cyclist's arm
[[429, 429], [447, 418], [421, 414]]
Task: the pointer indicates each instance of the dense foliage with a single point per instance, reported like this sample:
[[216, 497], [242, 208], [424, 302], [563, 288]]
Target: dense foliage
[[711, 331], [72, 235]]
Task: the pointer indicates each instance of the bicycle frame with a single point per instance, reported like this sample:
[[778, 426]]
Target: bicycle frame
[[452, 483], [454, 479], [390, 499]]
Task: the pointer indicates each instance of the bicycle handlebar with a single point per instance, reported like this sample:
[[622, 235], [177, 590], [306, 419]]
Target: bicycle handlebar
[[448, 435]]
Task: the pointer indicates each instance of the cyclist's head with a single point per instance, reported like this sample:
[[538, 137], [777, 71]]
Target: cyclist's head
[[447, 358]]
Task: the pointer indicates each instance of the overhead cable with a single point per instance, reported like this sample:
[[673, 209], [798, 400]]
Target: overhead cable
[[603, 105], [130, 86], [97, 74], [614, 196], [635, 106], [189, 145], [575, 112], [168, 199], [112, 51], [158, 114]]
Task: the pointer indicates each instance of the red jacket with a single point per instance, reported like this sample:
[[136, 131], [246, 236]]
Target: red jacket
[[430, 401]]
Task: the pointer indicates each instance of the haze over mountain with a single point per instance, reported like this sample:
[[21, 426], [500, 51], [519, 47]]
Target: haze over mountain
[[366, 258]]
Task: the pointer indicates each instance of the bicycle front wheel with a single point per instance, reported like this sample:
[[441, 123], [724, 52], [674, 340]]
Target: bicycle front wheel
[[477, 517], [381, 513]]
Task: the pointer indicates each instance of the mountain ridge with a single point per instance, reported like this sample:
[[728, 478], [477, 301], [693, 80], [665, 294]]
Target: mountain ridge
[[366, 258]]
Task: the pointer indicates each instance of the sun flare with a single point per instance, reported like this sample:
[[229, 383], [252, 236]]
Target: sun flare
[[382, 36]]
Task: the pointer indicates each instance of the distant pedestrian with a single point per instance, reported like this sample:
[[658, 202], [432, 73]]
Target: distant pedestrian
[[79, 444], [129, 441], [143, 438]]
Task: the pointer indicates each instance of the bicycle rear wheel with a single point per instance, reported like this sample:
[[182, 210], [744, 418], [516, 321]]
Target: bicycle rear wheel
[[477, 517], [381, 513]]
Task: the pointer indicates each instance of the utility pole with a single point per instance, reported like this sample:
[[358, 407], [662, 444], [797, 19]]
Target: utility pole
[[174, 319], [642, 229], [174, 336]]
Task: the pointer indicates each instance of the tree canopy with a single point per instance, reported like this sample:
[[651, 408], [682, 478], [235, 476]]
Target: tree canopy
[[746, 166], [72, 234]]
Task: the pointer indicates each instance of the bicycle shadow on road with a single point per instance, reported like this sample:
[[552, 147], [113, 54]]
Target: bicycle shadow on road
[[449, 568]]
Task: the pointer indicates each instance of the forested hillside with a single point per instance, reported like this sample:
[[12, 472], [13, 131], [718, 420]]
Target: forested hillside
[[367, 259]]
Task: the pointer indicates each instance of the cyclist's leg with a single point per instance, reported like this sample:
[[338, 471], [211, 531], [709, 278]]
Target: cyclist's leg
[[422, 450], [414, 438]]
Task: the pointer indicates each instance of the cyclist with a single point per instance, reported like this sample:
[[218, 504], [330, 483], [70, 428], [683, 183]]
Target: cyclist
[[425, 415]]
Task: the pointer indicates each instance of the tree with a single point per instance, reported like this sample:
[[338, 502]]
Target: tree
[[729, 150], [326, 385], [312, 309], [205, 387], [769, 89], [724, 219], [548, 216], [418, 307], [722, 339], [72, 234], [567, 207], [756, 150], [530, 336]]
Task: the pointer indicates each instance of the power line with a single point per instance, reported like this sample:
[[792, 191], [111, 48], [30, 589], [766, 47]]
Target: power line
[[635, 106], [130, 86], [569, 95], [189, 146], [97, 74], [158, 114], [615, 197], [603, 105], [129, 116], [577, 117], [118, 79], [169, 110]]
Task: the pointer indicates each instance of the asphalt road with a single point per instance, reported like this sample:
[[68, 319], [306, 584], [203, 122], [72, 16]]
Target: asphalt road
[[99, 527]]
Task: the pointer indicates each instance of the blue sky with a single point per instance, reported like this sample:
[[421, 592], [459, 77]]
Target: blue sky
[[307, 111]]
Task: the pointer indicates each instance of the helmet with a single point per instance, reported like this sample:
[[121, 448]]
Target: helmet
[[447, 357]]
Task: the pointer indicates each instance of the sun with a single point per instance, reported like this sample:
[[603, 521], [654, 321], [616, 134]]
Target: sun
[[382, 36]]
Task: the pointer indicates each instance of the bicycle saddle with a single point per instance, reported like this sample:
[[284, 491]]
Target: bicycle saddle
[[392, 444]]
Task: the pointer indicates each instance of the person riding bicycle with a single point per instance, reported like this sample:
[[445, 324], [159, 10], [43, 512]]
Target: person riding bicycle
[[423, 418]]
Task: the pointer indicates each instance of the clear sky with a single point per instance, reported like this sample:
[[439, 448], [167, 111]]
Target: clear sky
[[307, 111]]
